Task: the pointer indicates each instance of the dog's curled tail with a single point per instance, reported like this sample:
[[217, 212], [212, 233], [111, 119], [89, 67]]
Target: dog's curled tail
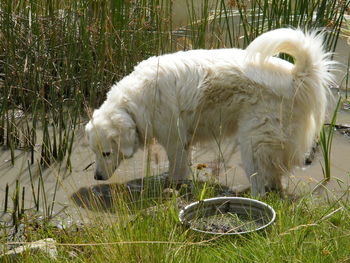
[[306, 49], [307, 81]]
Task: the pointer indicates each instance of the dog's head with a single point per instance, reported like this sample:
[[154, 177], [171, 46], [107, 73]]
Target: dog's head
[[112, 137]]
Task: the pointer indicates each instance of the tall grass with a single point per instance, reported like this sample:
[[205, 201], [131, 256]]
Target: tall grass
[[326, 139], [58, 58], [237, 23]]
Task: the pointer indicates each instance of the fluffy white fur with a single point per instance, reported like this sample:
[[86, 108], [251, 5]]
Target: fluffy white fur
[[273, 108]]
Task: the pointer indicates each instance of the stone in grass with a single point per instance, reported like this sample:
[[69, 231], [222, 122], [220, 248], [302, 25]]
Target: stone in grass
[[47, 246]]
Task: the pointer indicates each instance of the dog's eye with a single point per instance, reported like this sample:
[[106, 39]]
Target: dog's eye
[[106, 154]]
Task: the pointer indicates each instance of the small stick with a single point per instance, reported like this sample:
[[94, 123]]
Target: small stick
[[6, 197]]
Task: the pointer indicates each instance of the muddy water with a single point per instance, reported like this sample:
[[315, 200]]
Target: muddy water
[[76, 185]]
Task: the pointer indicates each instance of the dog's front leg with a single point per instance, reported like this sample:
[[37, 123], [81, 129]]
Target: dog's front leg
[[257, 184], [179, 163]]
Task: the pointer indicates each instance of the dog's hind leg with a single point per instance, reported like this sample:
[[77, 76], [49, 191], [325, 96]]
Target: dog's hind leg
[[263, 163], [251, 169], [273, 180]]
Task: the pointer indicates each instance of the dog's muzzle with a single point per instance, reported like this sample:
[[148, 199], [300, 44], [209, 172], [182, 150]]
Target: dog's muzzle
[[99, 176]]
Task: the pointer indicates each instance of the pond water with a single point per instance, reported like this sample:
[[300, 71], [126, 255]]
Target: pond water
[[74, 189]]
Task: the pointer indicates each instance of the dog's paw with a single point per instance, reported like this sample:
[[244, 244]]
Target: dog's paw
[[310, 156]]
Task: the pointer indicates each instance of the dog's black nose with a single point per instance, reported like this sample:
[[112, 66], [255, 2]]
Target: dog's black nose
[[99, 176]]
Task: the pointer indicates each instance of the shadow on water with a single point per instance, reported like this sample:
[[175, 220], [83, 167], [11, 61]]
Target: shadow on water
[[135, 194], [143, 193], [98, 197]]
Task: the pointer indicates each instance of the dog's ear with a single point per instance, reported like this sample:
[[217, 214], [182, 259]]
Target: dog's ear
[[128, 142], [88, 128], [90, 134], [126, 137]]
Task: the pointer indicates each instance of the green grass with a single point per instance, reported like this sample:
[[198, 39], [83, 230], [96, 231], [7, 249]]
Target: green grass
[[306, 230]]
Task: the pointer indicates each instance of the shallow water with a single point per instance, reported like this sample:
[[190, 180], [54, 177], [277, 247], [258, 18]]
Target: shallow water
[[75, 188]]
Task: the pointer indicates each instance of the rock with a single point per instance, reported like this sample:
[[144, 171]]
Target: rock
[[47, 246]]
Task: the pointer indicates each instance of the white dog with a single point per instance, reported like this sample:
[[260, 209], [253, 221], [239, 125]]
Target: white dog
[[273, 108]]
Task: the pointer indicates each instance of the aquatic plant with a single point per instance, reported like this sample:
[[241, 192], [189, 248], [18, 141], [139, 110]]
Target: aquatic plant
[[326, 138]]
